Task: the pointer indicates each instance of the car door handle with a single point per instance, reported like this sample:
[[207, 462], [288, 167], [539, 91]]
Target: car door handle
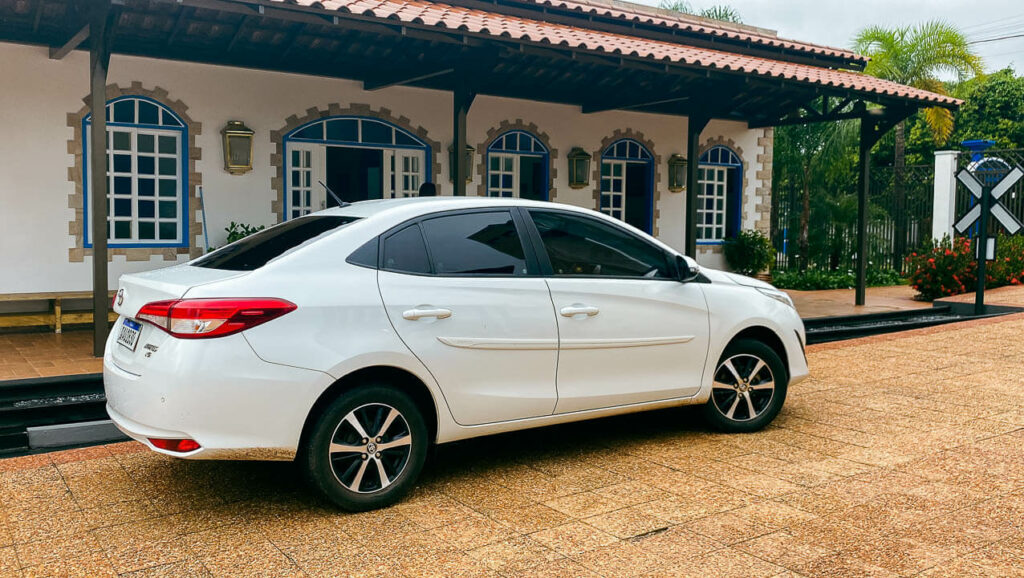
[[414, 314], [574, 310]]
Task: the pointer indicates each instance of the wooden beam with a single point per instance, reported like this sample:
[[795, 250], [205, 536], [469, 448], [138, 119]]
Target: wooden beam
[[38, 16], [184, 13], [694, 125], [238, 33], [59, 52], [462, 100], [623, 105], [291, 40], [404, 78], [791, 119], [101, 22], [873, 126]]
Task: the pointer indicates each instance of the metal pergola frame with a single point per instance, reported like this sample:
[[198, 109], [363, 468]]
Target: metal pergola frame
[[278, 36]]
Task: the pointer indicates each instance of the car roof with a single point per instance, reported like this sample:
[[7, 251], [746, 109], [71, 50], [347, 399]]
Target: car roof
[[413, 206]]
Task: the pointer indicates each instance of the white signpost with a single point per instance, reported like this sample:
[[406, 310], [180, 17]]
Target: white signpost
[[988, 204]]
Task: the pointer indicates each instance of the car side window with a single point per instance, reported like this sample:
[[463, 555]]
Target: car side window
[[405, 252], [478, 243], [585, 247]]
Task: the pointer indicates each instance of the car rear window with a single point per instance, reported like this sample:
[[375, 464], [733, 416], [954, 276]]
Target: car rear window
[[257, 250]]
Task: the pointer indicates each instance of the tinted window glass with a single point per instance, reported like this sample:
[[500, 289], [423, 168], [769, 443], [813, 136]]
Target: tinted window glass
[[365, 255], [404, 251], [587, 247], [475, 244], [257, 250]]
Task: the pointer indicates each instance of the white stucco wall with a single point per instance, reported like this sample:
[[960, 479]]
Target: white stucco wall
[[34, 160]]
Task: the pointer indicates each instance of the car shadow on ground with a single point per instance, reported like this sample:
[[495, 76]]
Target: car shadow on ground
[[453, 463]]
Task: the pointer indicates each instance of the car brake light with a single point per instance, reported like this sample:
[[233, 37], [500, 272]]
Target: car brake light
[[175, 445], [202, 318]]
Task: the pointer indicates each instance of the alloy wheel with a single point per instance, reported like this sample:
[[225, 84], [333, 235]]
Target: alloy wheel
[[743, 387], [370, 448]]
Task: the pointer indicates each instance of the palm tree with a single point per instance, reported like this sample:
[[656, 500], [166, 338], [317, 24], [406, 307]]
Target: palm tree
[[916, 56], [722, 12]]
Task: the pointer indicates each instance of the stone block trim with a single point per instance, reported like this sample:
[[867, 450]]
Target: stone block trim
[[504, 127], [763, 192], [334, 109], [596, 175], [714, 141], [75, 147]]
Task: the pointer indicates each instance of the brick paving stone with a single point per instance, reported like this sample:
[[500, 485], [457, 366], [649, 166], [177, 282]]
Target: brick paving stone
[[895, 458]]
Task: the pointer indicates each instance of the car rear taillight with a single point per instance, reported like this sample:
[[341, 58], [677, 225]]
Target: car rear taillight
[[180, 446], [202, 318]]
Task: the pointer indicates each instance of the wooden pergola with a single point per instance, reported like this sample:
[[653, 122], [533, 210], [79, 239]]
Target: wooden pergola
[[309, 38]]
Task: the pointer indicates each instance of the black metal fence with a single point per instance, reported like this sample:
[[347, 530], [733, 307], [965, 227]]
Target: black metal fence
[[898, 223]]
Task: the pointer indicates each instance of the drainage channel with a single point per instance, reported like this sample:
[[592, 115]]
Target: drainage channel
[[827, 329], [50, 413]]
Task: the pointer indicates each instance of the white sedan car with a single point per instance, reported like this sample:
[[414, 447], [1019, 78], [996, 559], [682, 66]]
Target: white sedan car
[[354, 338]]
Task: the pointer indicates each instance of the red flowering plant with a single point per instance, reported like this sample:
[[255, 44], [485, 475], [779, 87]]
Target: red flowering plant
[[942, 269], [949, 268], [1008, 267]]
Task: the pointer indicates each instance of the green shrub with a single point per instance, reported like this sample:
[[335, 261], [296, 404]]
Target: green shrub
[[238, 231], [749, 252], [815, 280]]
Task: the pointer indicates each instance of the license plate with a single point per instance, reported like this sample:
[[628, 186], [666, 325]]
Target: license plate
[[128, 336]]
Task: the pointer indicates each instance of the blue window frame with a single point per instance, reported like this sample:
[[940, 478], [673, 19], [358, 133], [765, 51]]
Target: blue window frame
[[407, 156], [627, 183], [147, 175], [518, 165], [719, 182]]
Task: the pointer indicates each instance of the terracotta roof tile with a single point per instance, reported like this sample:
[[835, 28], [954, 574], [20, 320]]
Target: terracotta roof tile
[[690, 23], [494, 24]]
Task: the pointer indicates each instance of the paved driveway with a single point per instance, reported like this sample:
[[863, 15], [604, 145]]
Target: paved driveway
[[901, 455]]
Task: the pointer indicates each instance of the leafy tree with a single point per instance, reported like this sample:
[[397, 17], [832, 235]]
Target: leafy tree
[[808, 157], [993, 109], [722, 12], [916, 56]]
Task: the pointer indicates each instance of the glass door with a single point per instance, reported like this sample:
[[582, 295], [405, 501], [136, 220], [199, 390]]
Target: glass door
[[306, 192]]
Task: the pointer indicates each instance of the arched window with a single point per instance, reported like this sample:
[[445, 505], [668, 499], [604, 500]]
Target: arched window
[[147, 177], [719, 180], [358, 158], [627, 183], [517, 166]]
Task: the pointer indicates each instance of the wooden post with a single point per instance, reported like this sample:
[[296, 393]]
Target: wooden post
[[57, 315], [462, 100], [99, 60], [867, 130], [694, 125]]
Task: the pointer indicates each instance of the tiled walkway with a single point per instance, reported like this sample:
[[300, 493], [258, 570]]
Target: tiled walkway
[[835, 302], [24, 355], [902, 455]]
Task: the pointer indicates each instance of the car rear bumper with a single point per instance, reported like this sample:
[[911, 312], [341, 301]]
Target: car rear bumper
[[216, 392]]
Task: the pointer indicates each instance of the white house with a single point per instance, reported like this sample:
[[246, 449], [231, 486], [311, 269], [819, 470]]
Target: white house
[[367, 97]]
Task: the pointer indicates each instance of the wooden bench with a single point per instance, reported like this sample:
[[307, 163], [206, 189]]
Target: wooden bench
[[55, 317]]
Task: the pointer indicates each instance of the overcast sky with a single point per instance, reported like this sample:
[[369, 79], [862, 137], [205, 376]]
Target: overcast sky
[[836, 22]]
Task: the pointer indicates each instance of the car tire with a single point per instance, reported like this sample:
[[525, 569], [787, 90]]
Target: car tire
[[748, 388], [367, 448]]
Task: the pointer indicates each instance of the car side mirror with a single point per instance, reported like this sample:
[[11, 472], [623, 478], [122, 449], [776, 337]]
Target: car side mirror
[[688, 270]]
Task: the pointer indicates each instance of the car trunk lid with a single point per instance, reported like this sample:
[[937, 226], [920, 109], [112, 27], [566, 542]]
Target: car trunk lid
[[138, 289]]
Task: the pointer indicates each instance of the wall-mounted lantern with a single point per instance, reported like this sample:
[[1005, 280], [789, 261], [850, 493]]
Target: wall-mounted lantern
[[676, 173], [468, 159], [579, 168], [237, 147]]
